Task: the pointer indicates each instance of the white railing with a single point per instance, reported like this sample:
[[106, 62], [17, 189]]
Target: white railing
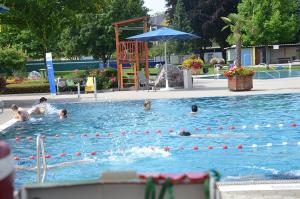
[[40, 150]]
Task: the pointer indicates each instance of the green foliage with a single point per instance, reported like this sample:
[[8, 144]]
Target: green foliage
[[156, 49], [204, 16], [11, 61], [70, 74], [93, 34], [269, 22], [33, 86], [181, 22], [2, 84]]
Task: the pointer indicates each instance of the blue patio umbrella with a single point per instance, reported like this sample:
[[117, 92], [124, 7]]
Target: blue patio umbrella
[[3, 9], [164, 34]]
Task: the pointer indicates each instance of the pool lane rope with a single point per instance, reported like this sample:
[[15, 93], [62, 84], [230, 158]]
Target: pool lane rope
[[158, 131], [166, 149]]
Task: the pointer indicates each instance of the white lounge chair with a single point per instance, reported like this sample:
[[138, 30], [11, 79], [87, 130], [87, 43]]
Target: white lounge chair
[[144, 83]]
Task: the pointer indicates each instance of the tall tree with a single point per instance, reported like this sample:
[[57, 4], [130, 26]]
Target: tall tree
[[44, 19], [93, 33], [181, 22], [269, 22], [205, 17]]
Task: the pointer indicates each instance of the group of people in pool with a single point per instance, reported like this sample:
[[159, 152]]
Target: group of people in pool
[[39, 109], [147, 107]]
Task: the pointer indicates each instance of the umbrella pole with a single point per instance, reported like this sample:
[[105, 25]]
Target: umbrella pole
[[166, 67]]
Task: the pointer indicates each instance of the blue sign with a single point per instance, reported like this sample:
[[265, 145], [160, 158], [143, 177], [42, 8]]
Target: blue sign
[[50, 73]]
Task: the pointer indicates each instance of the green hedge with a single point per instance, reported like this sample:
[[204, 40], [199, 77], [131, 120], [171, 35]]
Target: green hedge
[[44, 88]]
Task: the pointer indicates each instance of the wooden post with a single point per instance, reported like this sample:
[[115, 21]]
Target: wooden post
[[146, 51], [136, 68], [120, 79]]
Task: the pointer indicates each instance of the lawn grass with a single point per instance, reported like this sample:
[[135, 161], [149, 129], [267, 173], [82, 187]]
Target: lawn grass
[[28, 83]]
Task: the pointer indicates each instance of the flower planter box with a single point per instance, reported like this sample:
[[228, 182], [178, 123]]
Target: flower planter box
[[240, 83]]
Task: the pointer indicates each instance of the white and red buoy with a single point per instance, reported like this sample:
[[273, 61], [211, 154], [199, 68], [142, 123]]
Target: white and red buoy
[[7, 171]]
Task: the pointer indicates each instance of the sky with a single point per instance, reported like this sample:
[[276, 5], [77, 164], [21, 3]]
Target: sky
[[155, 5]]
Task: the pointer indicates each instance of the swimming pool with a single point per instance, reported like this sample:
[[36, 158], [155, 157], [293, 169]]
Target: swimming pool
[[261, 133], [270, 74]]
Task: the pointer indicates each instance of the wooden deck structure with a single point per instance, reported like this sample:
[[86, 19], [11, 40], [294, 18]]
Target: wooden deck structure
[[131, 52]]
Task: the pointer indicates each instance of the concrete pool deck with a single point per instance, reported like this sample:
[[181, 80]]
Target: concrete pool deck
[[202, 88]]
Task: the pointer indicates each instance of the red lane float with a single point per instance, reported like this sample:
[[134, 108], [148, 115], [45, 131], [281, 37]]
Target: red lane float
[[97, 134], [62, 154], [6, 171], [93, 153], [171, 130], [210, 147], [195, 147], [146, 132], [32, 157], [78, 154], [225, 147], [29, 138], [16, 158], [239, 146], [167, 148], [18, 138], [293, 124], [158, 131], [48, 156]]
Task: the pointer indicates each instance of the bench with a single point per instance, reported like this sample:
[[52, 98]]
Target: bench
[[282, 60]]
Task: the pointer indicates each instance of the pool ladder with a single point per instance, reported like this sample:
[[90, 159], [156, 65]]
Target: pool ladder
[[273, 76], [40, 150]]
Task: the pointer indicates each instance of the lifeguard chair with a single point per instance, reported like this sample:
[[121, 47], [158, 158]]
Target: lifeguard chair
[[134, 53]]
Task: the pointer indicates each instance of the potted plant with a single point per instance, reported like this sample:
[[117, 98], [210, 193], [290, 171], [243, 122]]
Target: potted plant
[[193, 63], [239, 78]]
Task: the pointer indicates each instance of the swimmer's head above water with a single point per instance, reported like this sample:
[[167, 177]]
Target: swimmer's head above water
[[63, 113], [43, 100], [185, 133], [194, 108]]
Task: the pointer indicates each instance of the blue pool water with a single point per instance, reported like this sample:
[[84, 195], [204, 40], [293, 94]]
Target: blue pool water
[[125, 143], [272, 74]]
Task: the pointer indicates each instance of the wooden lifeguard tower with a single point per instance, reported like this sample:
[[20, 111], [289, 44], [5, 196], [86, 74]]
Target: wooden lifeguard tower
[[134, 53]]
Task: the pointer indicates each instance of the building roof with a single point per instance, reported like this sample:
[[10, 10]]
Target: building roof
[[259, 46]]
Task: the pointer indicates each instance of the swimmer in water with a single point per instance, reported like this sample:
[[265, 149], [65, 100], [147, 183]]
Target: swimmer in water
[[40, 108], [194, 109], [147, 105], [223, 135], [22, 115], [62, 114]]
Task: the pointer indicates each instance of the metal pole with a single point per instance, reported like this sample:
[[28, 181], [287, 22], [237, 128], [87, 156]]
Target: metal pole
[[78, 91], [57, 87], [95, 88], [166, 66]]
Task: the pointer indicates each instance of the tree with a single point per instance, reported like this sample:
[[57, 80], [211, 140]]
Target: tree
[[44, 19], [269, 22], [93, 33], [181, 22], [11, 61], [234, 23], [205, 17]]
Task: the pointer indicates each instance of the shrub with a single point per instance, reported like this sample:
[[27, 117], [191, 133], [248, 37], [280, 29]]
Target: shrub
[[11, 60], [44, 88], [2, 84], [106, 78]]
